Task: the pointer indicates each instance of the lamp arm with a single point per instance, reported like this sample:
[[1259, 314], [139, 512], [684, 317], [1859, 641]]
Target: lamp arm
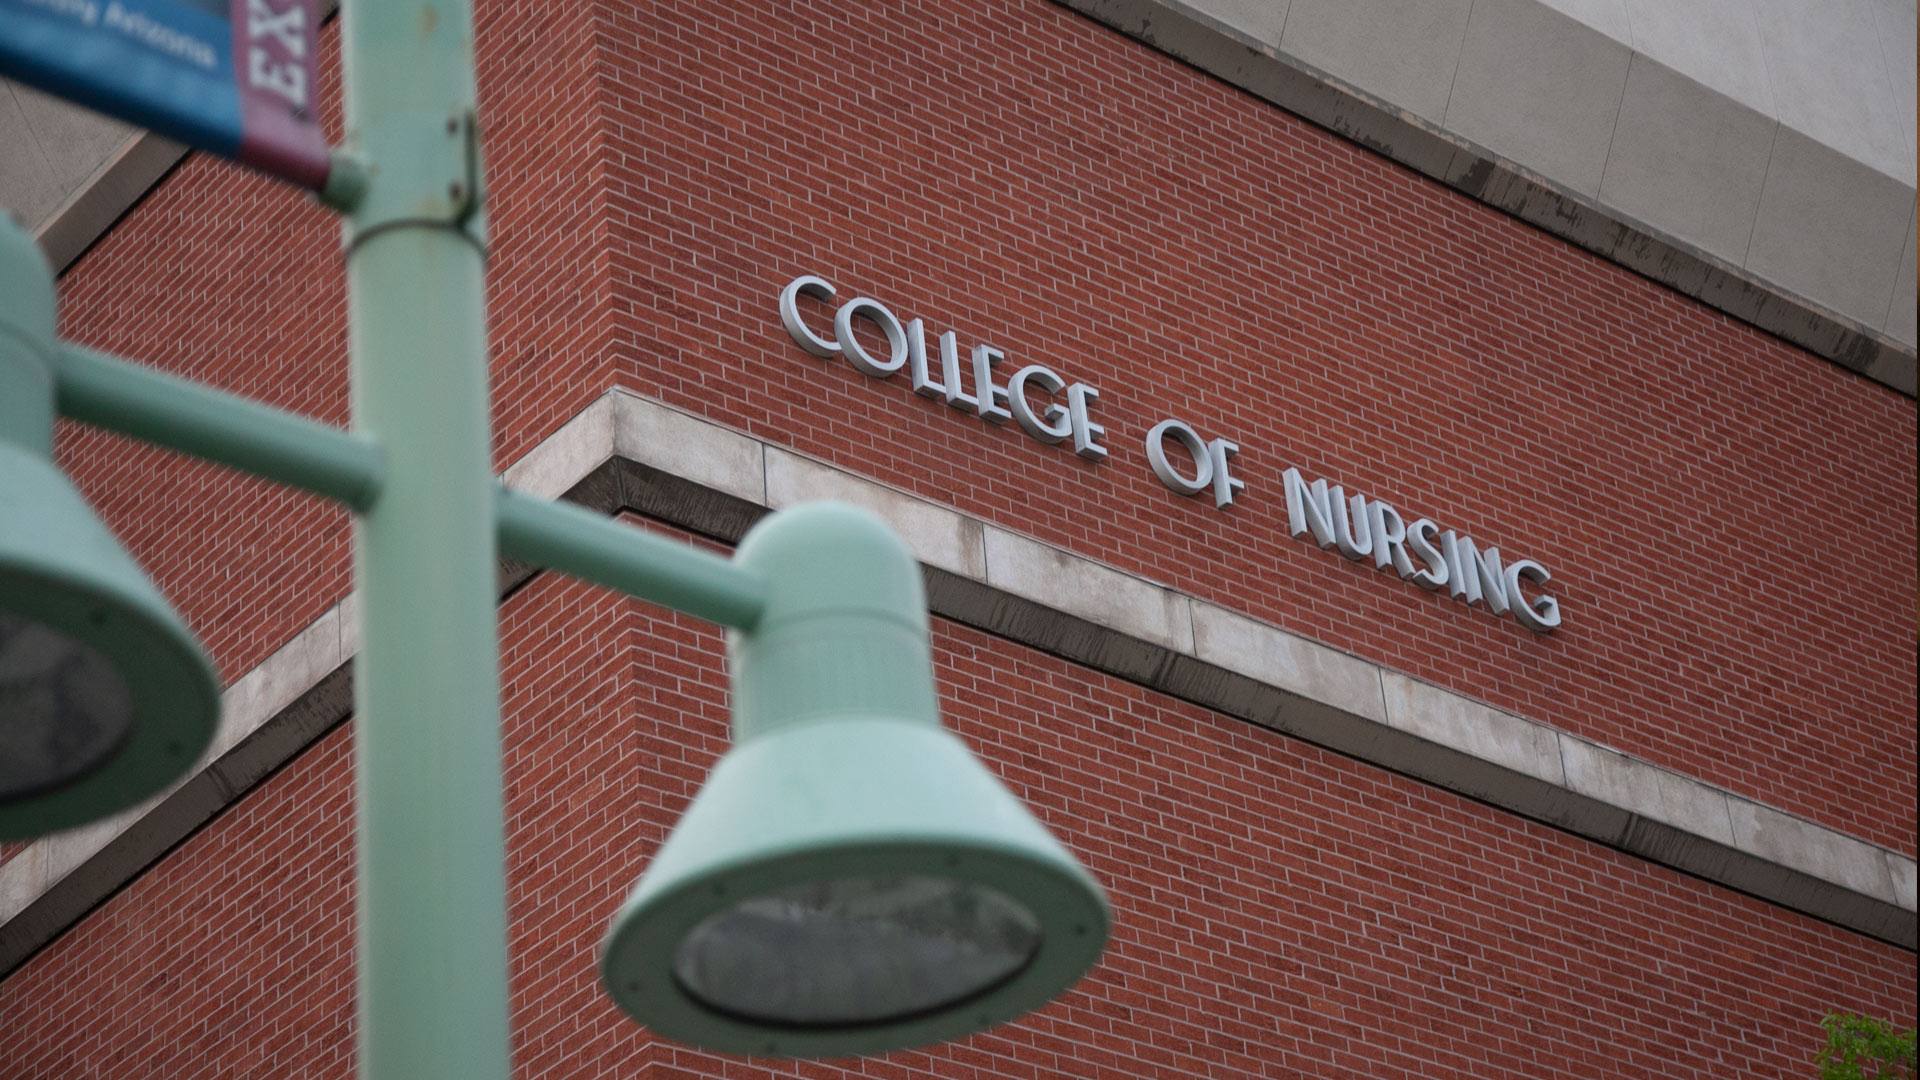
[[116, 394], [122, 396], [576, 541]]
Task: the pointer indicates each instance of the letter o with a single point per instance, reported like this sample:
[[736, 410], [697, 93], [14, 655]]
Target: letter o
[[857, 355], [1196, 449]]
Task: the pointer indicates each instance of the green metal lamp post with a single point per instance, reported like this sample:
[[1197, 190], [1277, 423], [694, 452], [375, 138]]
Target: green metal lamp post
[[850, 880]]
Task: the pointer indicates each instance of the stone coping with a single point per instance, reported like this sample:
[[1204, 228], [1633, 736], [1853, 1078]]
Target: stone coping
[[1563, 120], [625, 452]]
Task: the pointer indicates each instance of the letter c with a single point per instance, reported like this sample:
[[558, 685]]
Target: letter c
[[790, 315]]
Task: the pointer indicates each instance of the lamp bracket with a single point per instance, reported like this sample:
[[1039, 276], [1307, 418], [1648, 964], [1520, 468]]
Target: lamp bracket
[[415, 170]]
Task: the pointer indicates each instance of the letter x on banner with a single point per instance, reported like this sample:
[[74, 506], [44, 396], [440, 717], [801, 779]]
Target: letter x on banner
[[231, 77]]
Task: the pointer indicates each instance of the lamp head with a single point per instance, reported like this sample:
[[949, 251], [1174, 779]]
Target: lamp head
[[851, 879], [104, 695]]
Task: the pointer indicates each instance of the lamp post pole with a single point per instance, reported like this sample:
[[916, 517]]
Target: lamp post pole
[[432, 957]]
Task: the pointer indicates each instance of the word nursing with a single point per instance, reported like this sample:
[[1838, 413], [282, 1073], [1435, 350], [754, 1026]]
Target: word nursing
[[1363, 528]]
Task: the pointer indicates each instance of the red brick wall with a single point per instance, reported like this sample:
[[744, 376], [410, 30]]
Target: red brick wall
[[1710, 501], [1724, 516], [1727, 519], [1280, 910]]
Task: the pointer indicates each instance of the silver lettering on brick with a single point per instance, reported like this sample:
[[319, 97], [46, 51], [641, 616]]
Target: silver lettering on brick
[[1196, 449], [802, 335]]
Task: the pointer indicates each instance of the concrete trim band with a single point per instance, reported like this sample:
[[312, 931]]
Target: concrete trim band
[[625, 452]]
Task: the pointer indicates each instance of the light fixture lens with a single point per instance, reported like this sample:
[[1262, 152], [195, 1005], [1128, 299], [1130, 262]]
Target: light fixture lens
[[66, 710], [856, 951]]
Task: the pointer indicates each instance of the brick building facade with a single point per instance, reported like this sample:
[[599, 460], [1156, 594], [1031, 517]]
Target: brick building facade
[[1350, 827]]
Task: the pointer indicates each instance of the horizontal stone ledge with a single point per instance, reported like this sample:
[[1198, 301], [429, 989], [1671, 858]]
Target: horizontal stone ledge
[[990, 579], [1123, 625]]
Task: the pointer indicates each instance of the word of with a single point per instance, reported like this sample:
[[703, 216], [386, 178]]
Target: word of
[[1209, 462]]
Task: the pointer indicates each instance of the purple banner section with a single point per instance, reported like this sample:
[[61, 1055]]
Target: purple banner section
[[275, 47]]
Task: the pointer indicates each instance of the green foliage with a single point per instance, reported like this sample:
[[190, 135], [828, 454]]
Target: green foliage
[[1862, 1048]]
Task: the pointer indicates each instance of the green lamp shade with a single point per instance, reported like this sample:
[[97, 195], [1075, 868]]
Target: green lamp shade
[[851, 879], [104, 695], [848, 888]]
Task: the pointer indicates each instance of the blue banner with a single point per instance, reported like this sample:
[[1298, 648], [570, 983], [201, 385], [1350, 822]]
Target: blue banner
[[232, 77]]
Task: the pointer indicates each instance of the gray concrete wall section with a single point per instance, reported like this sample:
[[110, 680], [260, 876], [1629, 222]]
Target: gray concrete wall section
[[139, 163], [628, 453], [51, 150], [67, 174], [1757, 157]]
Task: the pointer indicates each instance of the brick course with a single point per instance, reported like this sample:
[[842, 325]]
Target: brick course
[[1687, 479], [1281, 910]]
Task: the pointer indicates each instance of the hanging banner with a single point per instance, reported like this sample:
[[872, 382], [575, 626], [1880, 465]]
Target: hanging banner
[[231, 77]]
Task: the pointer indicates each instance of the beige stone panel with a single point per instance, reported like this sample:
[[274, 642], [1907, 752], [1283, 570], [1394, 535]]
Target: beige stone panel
[[1824, 228], [1812, 849], [1830, 80], [1287, 661], [1261, 20], [688, 447], [1607, 16], [1899, 29], [1713, 42], [22, 879], [120, 181], [1087, 590], [75, 141], [1539, 88], [1646, 790], [1459, 723], [28, 188], [1687, 161], [1401, 51], [578, 447], [1901, 869], [1900, 307], [936, 536], [277, 682]]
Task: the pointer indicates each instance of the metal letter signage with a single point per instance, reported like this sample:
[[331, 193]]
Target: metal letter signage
[[1360, 528], [907, 348], [1209, 462], [231, 77], [1371, 529]]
